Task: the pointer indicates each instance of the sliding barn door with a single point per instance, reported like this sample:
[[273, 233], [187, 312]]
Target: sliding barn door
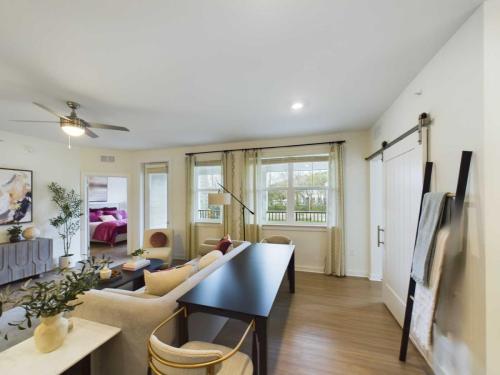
[[403, 177]]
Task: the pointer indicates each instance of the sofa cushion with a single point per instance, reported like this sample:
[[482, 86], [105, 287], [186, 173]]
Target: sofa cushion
[[161, 282], [211, 257]]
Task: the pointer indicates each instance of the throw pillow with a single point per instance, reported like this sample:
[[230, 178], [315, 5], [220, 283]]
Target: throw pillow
[[105, 218], [223, 245], [158, 239], [94, 216], [161, 282], [209, 258], [123, 213], [118, 216]]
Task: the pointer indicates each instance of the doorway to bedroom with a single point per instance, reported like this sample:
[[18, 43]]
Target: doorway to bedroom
[[107, 217]]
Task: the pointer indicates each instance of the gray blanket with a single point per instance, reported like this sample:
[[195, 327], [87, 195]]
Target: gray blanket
[[433, 206]]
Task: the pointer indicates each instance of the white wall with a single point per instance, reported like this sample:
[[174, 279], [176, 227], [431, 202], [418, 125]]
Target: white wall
[[492, 183], [50, 162], [311, 243], [452, 92]]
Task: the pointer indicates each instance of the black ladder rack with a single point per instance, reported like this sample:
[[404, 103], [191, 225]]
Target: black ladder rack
[[457, 211]]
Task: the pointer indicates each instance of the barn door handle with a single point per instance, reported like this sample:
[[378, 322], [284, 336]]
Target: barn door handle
[[378, 236]]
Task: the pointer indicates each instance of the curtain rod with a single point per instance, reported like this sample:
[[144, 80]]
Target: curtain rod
[[423, 121], [264, 148]]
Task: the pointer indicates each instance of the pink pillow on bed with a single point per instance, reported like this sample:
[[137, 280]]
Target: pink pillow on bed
[[122, 213], [94, 216]]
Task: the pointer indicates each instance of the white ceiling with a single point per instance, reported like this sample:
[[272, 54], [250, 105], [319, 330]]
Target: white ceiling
[[191, 72]]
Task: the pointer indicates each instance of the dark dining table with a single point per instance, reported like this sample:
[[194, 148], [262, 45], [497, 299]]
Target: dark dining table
[[244, 288]]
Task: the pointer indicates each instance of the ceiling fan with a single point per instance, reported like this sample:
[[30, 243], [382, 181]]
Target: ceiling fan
[[73, 125]]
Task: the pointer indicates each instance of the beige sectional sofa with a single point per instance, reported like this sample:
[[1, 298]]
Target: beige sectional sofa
[[138, 313]]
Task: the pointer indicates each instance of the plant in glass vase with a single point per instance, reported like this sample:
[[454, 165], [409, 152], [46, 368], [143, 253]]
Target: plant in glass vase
[[67, 222], [48, 300]]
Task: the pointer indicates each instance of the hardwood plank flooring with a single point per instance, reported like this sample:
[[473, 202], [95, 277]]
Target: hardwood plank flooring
[[331, 326]]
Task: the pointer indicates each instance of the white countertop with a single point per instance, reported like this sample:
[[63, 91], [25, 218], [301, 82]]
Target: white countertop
[[85, 337]]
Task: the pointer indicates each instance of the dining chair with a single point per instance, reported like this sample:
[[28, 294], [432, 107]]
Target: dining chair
[[278, 239], [197, 357]]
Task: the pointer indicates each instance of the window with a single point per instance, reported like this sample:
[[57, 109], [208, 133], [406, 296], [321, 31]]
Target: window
[[295, 190], [206, 176], [156, 195]]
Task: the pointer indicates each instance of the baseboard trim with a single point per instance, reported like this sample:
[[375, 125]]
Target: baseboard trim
[[309, 269], [350, 273], [354, 273], [375, 277]]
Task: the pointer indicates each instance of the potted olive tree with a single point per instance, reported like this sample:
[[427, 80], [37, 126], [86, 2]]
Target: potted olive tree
[[67, 222], [48, 301]]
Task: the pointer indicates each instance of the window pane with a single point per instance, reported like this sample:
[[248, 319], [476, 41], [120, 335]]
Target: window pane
[[208, 176], [303, 174], [207, 212], [157, 200], [310, 206], [277, 203], [320, 174], [275, 175]]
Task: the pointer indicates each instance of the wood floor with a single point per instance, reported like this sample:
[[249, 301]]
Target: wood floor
[[331, 326]]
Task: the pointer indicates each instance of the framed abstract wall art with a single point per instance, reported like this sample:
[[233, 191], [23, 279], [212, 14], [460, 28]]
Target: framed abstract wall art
[[98, 189], [16, 196]]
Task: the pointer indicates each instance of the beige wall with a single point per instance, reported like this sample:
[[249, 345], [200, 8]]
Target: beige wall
[[54, 162], [311, 243], [452, 92], [50, 162]]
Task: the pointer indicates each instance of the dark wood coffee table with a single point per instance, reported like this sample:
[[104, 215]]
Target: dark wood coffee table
[[135, 277], [244, 288]]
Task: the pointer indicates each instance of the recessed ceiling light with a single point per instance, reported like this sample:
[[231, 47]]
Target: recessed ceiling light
[[297, 106]]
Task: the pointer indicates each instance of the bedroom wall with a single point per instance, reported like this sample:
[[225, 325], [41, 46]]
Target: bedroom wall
[[452, 92], [117, 193], [311, 242]]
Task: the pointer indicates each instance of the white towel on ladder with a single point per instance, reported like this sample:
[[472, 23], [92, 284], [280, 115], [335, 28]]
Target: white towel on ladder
[[425, 300]]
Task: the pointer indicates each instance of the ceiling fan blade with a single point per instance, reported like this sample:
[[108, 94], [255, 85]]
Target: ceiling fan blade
[[52, 122], [90, 133], [109, 127], [50, 110]]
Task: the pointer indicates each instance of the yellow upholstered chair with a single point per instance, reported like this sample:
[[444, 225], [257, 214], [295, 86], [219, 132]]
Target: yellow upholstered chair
[[196, 357], [278, 239], [159, 244]]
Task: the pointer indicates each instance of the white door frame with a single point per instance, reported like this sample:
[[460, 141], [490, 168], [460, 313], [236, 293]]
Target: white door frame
[[376, 218], [84, 237]]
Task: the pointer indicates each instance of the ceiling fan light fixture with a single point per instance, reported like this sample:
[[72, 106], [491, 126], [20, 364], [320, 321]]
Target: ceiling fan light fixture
[[72, 128]]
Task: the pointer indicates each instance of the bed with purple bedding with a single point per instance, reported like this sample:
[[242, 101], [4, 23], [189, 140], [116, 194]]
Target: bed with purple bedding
[[109, 232]]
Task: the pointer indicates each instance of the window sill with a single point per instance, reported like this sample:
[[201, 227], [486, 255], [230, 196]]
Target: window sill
[[206, 224], [296, 227]]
